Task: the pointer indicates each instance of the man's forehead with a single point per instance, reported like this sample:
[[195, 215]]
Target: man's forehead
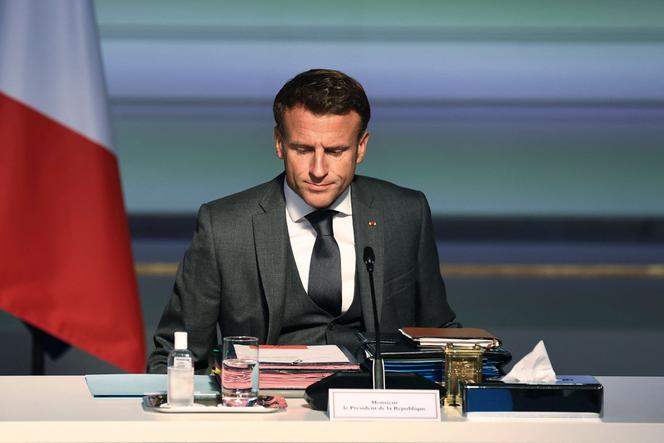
[[299, 118]]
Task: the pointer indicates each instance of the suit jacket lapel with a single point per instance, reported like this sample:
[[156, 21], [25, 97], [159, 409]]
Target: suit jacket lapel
[[271, 240], [368, 231]]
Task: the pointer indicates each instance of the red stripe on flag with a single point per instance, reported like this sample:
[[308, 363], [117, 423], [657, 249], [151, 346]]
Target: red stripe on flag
[[65, 258]]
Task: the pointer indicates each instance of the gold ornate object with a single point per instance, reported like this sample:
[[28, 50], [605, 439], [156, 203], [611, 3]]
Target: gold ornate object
[[463, 364]]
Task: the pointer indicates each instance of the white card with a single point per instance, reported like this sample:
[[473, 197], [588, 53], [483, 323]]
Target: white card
[[296, 354], [384, 404]]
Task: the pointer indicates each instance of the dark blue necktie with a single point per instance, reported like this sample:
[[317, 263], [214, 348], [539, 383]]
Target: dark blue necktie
[[325, 266]]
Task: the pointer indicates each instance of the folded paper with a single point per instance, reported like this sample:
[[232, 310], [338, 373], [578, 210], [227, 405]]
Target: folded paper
[[535, 367]]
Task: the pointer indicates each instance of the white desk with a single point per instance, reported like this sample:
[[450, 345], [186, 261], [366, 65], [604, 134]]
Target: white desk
[[58, 409]]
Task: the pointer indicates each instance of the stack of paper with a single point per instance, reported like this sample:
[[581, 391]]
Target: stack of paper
[[297, 367], [297, 376]]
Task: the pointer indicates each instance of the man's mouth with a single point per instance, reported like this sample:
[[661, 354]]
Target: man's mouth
[[318, 186]]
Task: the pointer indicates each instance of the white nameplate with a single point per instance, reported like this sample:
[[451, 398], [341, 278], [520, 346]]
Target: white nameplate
[[384, 404]]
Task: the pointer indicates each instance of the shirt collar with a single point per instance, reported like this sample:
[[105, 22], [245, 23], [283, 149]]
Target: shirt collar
[[297, 208]]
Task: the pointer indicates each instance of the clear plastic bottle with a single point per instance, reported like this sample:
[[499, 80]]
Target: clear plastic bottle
[[180, 373]]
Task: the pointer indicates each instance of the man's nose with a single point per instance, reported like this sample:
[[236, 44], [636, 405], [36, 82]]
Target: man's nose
[[319, 165]]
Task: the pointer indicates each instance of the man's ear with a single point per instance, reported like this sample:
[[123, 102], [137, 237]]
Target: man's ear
[[362, 148], [278, 143]]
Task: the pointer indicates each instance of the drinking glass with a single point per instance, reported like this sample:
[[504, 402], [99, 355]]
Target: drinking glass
[[239, 371]]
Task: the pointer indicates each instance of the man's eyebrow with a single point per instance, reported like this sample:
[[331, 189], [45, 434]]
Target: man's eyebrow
[[298, 145]]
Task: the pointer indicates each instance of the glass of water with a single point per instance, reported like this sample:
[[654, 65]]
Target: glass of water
[[239, 371]]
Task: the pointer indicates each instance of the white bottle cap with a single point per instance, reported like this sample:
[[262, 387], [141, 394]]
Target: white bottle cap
[[180, 340]]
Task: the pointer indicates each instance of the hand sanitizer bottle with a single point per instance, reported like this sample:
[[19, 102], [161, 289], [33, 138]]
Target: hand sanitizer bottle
[[180, 373]]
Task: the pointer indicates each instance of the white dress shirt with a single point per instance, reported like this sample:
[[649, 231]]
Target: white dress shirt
[[303, 236]]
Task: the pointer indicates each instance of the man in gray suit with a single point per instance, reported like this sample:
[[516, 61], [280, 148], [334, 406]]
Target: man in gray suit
[[283, 261]]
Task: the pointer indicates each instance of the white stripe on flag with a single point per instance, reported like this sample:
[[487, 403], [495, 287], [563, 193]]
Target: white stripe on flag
[[36, 68]]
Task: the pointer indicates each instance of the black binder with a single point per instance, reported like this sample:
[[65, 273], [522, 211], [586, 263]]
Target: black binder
[[395, 346]]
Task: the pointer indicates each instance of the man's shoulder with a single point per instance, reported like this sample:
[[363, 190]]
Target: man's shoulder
[[382, 189], [248, 200], [392, 200]]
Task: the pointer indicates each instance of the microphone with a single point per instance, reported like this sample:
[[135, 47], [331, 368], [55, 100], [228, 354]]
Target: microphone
[[316, 395], [369, 258], [378, 367]]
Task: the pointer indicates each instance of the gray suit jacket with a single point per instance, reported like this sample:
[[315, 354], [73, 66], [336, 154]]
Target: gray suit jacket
[[234, 273]]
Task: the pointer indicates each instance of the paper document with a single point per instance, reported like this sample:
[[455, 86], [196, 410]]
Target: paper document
[[295, 355]]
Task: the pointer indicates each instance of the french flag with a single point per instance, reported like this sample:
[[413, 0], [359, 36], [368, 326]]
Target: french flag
[[65, 257]]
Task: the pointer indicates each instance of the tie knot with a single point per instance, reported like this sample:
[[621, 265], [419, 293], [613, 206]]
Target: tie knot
[[321, 220]]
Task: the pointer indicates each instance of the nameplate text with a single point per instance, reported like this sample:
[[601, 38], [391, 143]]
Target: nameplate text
[[384, 404]]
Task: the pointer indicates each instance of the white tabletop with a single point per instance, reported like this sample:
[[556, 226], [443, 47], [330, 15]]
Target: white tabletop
[[60, 408]]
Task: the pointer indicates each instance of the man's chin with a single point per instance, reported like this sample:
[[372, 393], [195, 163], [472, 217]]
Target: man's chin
[[318, 201]]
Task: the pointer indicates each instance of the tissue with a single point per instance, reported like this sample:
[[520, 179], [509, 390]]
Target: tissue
[[535, 367]]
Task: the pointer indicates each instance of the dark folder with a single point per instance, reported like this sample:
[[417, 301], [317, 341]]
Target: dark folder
[[401, 355]]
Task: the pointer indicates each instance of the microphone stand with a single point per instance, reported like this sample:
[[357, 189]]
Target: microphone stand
[[378, 366], [317, 394]]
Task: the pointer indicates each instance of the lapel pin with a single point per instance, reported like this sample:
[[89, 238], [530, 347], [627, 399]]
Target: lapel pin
[[372, 222]]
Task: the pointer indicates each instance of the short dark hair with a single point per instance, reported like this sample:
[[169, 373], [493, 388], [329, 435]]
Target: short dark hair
[[322, 91]]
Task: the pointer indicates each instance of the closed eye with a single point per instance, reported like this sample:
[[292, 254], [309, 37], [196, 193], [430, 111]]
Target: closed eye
[[336, 150], [301, 149]]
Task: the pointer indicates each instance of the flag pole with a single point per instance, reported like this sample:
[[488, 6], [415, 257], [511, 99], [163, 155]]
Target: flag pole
[[37, 351]]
